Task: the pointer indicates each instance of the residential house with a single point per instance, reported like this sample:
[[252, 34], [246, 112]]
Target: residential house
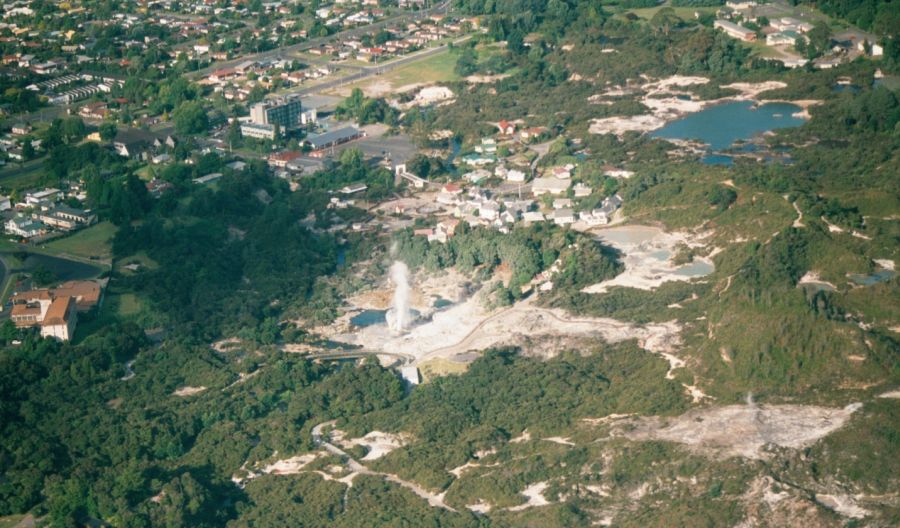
[[489, 210], [133, 142], [594, 218], [157, 187], [479, 160], [95, 110], [562, 203], [532, 134], [488, 146], [563, 173], [477, 175], [533, 216], [516, 176], [563, 216], [556, 186], [281, 159], [25, 227], [614, 172], [581, 190], [506, 128]]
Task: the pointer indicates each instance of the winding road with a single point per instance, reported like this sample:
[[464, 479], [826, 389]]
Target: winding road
[[320, 439]]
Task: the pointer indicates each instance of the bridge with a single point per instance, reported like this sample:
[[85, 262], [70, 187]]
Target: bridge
[[348, 353]]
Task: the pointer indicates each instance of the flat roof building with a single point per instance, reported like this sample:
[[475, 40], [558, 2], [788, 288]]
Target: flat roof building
[[735, 31], [282, 111], [335, 137]]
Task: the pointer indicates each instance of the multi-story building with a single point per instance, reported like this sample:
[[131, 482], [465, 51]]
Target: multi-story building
[[282, 111], [55, 310], [258, 131]]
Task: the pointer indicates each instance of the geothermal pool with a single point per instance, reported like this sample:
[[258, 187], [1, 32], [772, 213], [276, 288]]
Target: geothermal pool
[[720, 126]]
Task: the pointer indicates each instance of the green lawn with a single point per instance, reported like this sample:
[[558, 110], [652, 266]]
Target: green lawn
[[684, 13], [138, 258], [129, 304], [21, 176], [437, 367], [10, 521], [436, 68], [93, 241]]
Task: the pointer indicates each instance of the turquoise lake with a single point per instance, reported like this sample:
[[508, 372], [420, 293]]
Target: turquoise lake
[[720, 126]]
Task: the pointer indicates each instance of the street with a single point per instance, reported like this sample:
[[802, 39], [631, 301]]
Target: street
[[316, 42]]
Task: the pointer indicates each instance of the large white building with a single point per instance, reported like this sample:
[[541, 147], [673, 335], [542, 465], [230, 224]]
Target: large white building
[[735, 31]]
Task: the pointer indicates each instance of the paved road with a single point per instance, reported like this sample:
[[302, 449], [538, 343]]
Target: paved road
[[405, 359], [369, 71], [443, 7], [48, 113]]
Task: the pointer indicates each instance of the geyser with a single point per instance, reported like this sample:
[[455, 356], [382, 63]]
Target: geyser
[[398, 317]]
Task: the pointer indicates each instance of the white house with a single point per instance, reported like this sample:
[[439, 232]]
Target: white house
[[550, 185], [476, 176], [533, 216], [563, 216], [594, 218], [581, 190], [25, 227], [563, 173], [562, 203], [516, 176], [36, 197]]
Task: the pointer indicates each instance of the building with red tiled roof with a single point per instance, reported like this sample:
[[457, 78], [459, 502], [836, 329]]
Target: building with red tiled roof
[[60, 319], [55, 309]]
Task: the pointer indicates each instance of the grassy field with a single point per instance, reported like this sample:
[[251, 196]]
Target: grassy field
[[684, 13], [138, 258], [436, 68], [10, 521], [128, 304], [16, 176], [437, 367], [93, 241]]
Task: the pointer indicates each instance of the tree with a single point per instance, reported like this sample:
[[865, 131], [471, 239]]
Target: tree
[[722, 197], [108, 131], [234, 134], [73, 129], [383, 36], [257, 94], [664, 20], [27, 150], [466, 63], [42, 276], [191, 118]]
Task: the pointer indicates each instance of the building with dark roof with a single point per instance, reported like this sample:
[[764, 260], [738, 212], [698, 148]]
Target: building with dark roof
[[333, 138]]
